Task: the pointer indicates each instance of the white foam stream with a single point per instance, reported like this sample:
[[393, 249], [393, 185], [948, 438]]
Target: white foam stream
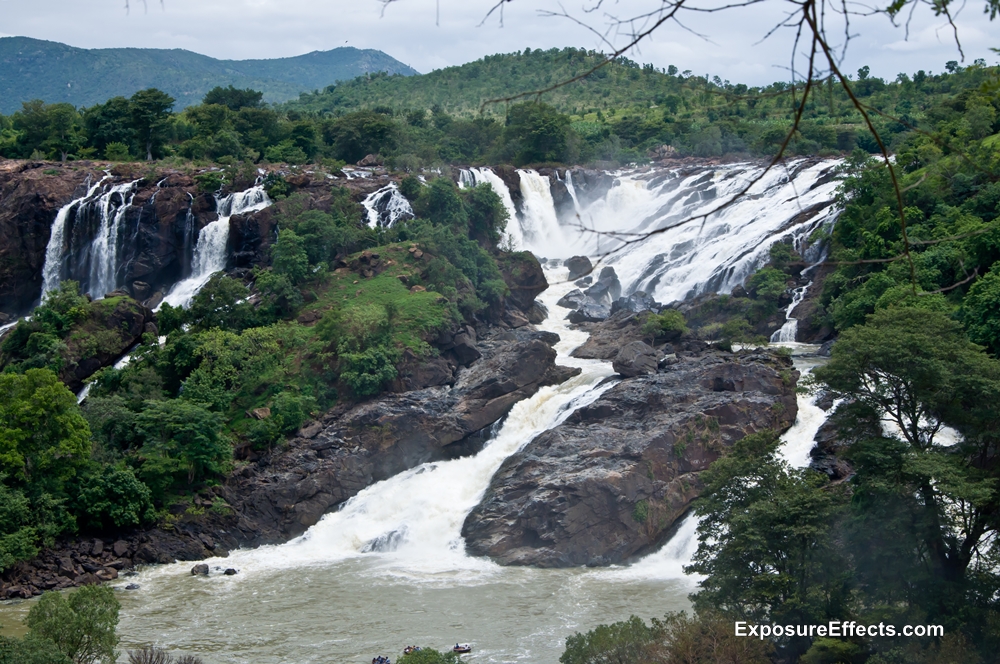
[[787, 332], [51, 270], [386, 206], [211, 249]]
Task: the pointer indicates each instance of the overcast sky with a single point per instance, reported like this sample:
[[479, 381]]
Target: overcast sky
[[426, 37]]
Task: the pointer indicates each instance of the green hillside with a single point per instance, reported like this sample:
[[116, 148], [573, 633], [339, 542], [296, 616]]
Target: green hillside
[[36, 69], [461, 90]]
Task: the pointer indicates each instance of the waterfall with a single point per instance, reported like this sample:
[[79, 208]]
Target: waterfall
[[543, 234], [112, 206], [476, 176], [212, 248], [54, 251], [790, 329], [386, 206], [572, 192]]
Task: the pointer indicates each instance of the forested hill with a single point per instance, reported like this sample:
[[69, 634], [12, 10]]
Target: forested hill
[[36, 69], [461, 90]]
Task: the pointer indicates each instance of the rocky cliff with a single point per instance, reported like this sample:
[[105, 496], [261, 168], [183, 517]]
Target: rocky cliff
[[160, 218], [613, 479]]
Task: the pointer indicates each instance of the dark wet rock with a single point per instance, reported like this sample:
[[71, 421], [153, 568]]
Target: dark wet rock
[[583, 283], [607, 337], [848, 424], [231, 572], [413, 373], [826, 348], [635, 303], [572, 299], [610, 482], [607, 288], [200, 569], [578, 266], [589, 312], [293, 488], [524, 277], [636, 358], [536, 313], [132, 586]]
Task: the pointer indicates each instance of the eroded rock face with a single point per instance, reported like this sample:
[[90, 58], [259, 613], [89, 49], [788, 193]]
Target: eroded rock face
[[524, 277], [352, 449], [610, 482], [636, 358]]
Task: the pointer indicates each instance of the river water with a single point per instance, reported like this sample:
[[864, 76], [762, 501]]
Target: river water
[[389, 568]]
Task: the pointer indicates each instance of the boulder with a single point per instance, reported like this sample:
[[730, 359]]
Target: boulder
[[607, 288], [611, 482], [635, 359], [524, 277], [231, 572], [578, 266], [589, 312], [200, 569], [572, 299], [636, 302]]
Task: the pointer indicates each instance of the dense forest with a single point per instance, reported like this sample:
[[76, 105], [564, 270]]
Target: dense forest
[[909, 538], [614, 116]]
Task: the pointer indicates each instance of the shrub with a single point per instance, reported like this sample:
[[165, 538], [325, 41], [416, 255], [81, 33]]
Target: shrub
[[116, 151], [429, 656], [30, 650], [668, 324], [114, 498], [368, 371], [209, 182], [82, 627]]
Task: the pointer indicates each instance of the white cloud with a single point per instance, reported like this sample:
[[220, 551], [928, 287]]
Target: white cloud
[[414, 32]]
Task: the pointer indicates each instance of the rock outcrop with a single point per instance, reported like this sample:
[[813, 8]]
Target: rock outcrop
[[610, 482], [348, 450]]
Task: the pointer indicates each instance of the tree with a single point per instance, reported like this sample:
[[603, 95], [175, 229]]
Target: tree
[[626, 642], [82, 626], [44, 438], [982, 311], [17, 536], [150, 111], [233, 98], [916, 369], [537, 132], [114, 498], [30, 650], [765, 539], [289, 257], [183, 440]]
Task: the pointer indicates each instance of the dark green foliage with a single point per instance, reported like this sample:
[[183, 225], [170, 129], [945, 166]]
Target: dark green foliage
[[442, 204], [410, 187], [81, 626], [150, 110], [429, 656], [289, 257], [668, 323], [17, 536], [222, 303], [184, 442], [766, 539], [113, 498], [233, 98], [536, 133], [31, 650], [982, 311], [626, 642], [767, 284], [43, 437]]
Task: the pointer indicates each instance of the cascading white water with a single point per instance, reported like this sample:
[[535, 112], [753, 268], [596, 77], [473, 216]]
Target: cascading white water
[[112, 206], [386, 206], [474, 177], [211, 249], [790, 329], [704, 240], [52, 269], [541, 231]]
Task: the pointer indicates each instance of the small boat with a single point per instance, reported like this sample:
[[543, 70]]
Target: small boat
[[461, 649]]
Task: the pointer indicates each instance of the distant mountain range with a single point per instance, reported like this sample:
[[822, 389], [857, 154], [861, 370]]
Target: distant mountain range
[[54, 72]]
